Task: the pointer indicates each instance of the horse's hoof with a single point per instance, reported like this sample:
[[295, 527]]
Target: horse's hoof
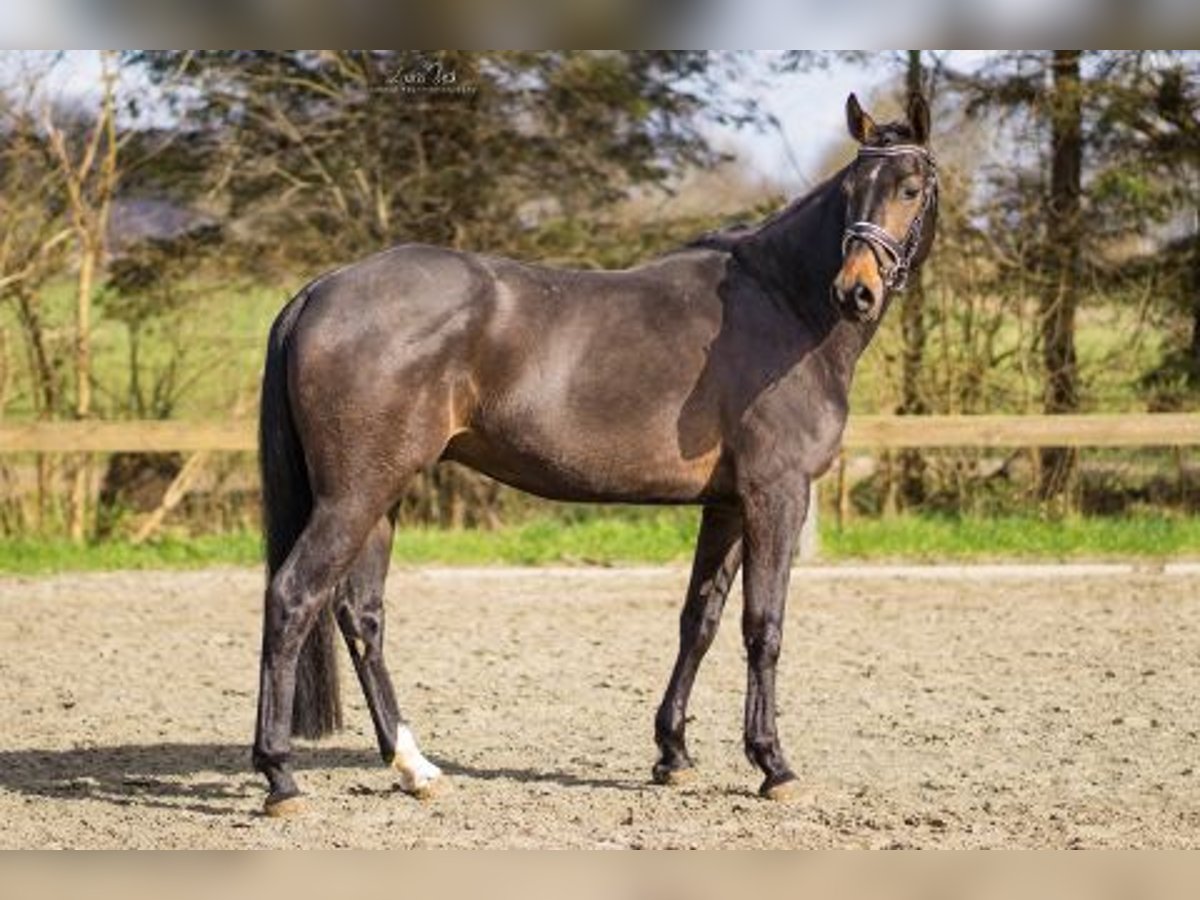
[[285, 807], [785, 791], [673, 777], [426, 791], [424, 783]]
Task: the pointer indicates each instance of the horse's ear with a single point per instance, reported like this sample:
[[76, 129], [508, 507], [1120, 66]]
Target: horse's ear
[[862, 126], [918, 118]]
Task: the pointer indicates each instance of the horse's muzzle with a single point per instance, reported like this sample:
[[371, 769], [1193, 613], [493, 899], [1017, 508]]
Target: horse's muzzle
[[858, 290]]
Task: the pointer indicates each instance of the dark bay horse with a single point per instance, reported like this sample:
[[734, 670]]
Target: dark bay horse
[[717, 375]]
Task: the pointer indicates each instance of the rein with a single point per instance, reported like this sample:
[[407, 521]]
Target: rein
[[895, 257]]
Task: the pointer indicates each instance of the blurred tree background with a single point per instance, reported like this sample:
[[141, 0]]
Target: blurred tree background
[[151, 228]]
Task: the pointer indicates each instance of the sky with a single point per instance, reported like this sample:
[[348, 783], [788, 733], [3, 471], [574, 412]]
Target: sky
[[810, 108]]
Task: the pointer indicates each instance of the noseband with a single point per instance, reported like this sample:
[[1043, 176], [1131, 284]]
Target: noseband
[[895, 257]]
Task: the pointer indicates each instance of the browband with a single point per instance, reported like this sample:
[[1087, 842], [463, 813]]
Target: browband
[[895, 150]]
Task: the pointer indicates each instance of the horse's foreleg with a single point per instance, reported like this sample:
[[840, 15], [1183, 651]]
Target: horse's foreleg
[[773, 516], [718, 555], [360, 615]]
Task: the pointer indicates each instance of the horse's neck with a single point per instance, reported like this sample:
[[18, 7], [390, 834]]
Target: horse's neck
[[797, 253]]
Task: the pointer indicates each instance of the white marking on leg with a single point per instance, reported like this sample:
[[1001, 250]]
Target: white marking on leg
[[416, 772]]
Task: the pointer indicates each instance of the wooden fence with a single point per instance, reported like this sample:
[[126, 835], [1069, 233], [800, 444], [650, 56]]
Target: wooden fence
[[877, 432]]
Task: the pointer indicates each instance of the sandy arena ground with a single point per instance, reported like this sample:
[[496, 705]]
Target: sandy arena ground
[[952, 712]]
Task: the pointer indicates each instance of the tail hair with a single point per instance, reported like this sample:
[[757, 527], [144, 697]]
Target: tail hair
[[287, 505]]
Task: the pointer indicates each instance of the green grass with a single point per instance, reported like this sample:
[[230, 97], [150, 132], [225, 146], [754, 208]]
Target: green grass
[[933, 539], [655, 538], [662, 537], [27, 556]]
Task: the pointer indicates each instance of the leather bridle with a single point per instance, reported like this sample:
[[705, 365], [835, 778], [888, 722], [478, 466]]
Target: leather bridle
[[895, 258]]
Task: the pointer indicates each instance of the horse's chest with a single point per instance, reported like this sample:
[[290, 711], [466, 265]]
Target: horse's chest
[[797, 427]]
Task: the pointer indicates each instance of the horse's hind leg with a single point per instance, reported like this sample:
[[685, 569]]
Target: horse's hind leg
[[360, 614], [718, 556], [327, 547]]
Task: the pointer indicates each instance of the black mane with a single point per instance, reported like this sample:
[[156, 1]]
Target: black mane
[[731, 236]]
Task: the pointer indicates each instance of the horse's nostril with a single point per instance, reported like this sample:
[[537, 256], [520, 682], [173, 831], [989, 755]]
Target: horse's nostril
[[863, 298], [857, 299]]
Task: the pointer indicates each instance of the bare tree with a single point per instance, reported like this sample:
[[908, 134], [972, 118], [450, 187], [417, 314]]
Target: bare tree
[[912, 321], [1060, 301], [33, 243], [90, 178]]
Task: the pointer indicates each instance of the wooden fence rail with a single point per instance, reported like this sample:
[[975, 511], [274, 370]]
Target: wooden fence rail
[[877, 432], [1107, 430], [131, 437]]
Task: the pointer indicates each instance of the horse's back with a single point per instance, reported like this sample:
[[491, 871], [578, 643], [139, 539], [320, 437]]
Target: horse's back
[[400, 291], [404, 299]]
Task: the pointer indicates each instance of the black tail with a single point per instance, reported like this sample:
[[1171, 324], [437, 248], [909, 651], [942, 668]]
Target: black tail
[[287, 505]]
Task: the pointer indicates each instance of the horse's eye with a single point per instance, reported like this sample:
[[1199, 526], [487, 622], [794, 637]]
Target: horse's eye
[[910, 192]]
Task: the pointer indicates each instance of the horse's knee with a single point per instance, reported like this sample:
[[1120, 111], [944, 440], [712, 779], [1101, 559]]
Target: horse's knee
[[764, 643]]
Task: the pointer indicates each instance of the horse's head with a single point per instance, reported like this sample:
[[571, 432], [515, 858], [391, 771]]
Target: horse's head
[[891, 209]]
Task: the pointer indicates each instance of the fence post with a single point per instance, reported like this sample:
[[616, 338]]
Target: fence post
[[810, 540]]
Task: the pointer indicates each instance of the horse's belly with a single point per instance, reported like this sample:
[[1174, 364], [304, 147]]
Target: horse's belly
[[598, 469]]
